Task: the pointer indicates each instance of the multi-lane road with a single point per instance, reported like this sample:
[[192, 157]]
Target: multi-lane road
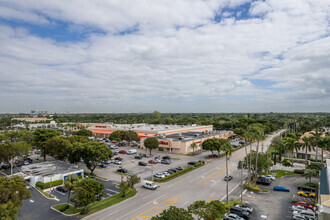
[[204, 183]]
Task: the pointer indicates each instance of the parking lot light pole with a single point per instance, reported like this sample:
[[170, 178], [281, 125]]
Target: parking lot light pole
[[152, 170]]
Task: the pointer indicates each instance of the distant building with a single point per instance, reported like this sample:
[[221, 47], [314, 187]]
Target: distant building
[[49, 171], [146, 130], [32, 119], [180, 143], [324, 192], [311, 154]]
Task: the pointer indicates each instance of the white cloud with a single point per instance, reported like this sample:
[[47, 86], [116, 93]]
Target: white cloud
[[190, 69]]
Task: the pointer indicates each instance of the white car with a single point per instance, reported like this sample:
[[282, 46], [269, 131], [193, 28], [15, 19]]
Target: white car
[[159, 175], [118, 162], [149, 185], [298, 208], [270, 177], [310, 215], [166, 173], [232, 216]]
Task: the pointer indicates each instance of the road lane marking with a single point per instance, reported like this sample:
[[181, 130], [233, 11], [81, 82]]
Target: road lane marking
[[158, 208], [230, 192], [239, 156], [245, 197], [136, 209], [171, 185], [212, 176], [211, 194], [113, 212], [184, 204]]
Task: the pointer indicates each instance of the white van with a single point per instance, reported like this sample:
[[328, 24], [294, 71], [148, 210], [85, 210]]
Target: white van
[[149, 185], [132, 151]]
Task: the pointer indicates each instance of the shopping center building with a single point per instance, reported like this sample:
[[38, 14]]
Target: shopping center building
[[146, 130], [180, 143]]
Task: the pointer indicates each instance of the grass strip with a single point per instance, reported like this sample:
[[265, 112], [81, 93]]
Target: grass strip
[[281, 173], [110, 201], [69, 211]]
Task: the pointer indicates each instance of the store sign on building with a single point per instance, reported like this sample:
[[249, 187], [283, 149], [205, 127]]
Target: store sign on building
[[98, 126], [163, 142]]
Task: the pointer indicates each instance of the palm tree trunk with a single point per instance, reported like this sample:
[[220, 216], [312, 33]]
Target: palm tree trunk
[[250, 175], [316, 154], [256, 171], [306, 158], [69, 196], [227, 175], [292, 156], [322, 157]]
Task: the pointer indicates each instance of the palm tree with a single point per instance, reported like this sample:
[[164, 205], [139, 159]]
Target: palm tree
[[257, 134], [280, 147], [69, 183], [247, 137], [315, 141], [324, 144], [307, 146], [291, 144], [228, 149], [193, 147], [309, 173]]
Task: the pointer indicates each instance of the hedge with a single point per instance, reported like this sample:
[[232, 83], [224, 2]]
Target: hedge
[[252, 187], [311, 184], [314, 167], [299, 171], [42, 185], [287, 163]]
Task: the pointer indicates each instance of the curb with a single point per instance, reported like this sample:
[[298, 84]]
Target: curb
[[62, 212], [56, 199]]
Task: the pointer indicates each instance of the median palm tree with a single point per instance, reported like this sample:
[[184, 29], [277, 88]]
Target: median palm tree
[[291, 144], [257, 134], [228, 149], [306, 145], [69, 183]]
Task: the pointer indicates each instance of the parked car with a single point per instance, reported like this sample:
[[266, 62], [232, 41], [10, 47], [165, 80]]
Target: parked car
[[159, 175], [306, 213], [122, 152], [173, 170], [61, 189], [214, 155], [263, 181], [122, 170], [141, 163], [192, 163], [26, 162], [180, 168], [158, 160], [304, 204], [118, 158], [5, 166], [149, 185], [166, 158], [146, 155], [152, 161], [166, 173], [29, 159], [103, 165], [297, 208], [170, 171], [139, 157], [298, 217], [115, 152], [306, 194], [19, 164], [166, 161], [270, 177], [281, 188], [132, 151], [118, 162], [228, 178], [232, 216], [245, 207], [240, 212], [306, 188]]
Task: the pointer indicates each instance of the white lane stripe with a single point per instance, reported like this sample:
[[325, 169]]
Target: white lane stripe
[[112, 190], [184, 204]]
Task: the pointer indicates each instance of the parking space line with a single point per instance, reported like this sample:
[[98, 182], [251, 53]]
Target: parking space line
[[158, 207], [212, 176], [245, 197]]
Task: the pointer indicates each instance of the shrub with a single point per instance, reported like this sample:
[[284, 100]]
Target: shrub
[[53, 183], [62, 209], [252, 187], [40, 185], [84, 211], [287, 163], [299, 171], [294, 201], [313, 167], [311, 184]]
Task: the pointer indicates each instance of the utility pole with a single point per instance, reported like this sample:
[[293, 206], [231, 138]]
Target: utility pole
[[242, 183]]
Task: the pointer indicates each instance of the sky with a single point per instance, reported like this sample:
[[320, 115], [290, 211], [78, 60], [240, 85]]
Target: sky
[[113, 56]]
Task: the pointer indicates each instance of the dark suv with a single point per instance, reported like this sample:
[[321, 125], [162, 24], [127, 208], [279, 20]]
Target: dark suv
[[306, 188], [263, 181], [240, 212]]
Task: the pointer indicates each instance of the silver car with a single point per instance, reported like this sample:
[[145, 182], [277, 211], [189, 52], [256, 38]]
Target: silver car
[[232, 216]]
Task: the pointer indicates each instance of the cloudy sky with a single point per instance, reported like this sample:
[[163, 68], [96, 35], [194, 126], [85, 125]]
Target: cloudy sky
[[171, 56]]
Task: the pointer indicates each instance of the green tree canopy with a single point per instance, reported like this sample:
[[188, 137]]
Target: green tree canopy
[[117, 136], [84, 133], [174, 213], [210, 144], [58, 147], [132, 180], [151, 143], [12, 192], [41, 136], [94, 153], [69, 183], [87, 191], [203, 210], [130, 136]]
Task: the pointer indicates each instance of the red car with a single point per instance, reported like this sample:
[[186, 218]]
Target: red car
[[122, 152], [152, 161], [305, 205], [119, 158]]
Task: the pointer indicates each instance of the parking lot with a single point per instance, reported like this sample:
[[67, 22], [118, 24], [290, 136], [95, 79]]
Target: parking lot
[[276, 204], [131, 164]]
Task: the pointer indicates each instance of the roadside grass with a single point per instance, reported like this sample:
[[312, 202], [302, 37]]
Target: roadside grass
[[180, 173], [255, 188], [110, 201], [69, 211], [45, 193], [281, 173]]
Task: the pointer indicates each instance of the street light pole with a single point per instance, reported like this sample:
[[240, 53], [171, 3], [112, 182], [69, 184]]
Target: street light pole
[[152, 170]]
